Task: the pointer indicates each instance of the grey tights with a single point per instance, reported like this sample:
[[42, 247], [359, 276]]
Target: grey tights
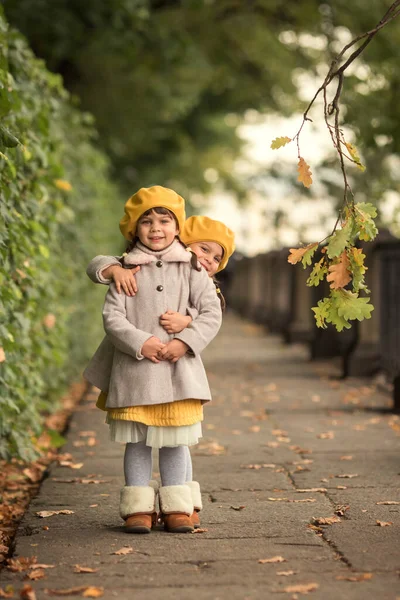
[[175, 464]]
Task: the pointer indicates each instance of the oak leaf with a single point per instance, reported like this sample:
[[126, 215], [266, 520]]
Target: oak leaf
[[318, 273], [339, 275], [304, 254], [279, 142], [354, 155], [304, 173]]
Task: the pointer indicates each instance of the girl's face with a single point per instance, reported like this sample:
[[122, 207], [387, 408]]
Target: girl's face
[[156, 231], [209, 254]]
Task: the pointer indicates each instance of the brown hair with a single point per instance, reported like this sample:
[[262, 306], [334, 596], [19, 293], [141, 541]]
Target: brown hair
[[219, 294]]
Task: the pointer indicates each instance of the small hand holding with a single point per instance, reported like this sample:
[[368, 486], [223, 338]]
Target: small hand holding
[[123, 278], [173, 351], [174, 322], [151, 349]]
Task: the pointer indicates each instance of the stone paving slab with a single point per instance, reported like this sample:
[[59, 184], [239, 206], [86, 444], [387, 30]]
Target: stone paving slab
[[263, 445]]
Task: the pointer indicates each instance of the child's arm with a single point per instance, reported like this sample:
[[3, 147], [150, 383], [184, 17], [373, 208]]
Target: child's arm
[[206, 325], [105, 269], [123, 334]]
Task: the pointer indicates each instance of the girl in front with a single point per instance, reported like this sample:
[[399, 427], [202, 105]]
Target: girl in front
[[156, 381], [213, 244]]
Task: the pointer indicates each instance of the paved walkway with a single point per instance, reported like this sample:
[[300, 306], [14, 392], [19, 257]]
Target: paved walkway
[[284, 448]]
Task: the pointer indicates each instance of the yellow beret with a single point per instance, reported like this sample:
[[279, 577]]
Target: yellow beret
[[146, 199], [204, 229]]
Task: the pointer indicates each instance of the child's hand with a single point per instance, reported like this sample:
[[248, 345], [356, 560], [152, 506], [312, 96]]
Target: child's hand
[[151, 348], [123, 278], [173, 351], [174, 322]]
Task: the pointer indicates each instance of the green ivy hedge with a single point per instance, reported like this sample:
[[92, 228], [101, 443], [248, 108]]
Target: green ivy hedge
[[56, 212]]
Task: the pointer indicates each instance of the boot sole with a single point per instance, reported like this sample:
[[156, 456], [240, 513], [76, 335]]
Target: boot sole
[[181, 529], [137, 529]]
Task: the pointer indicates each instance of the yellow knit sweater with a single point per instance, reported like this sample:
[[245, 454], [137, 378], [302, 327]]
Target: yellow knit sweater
[[170, 414]]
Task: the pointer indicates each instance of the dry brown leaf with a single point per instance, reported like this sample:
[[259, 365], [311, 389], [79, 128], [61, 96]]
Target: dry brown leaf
[[278, 499], [305, 175], [347, 457], [256, 467], [22, 563], [341, 509], [254, 428], [41, 566], [27, 592], [307, 490], [71, 465], [325, 520], [93, 592], [8, 592], [238, 507], [339, 275], [355, 577], [124, 550], [74, 591], [384, 523], [301, 588], [388, 502], [304, 500], [50, 513], [296, 255], [80, 569], [87, 433], [36, 574], [286, 573], [273, 559], [200, 530], [326, 435], [347, 476]]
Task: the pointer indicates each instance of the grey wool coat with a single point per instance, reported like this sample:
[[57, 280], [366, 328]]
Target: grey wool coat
[[166, 280]]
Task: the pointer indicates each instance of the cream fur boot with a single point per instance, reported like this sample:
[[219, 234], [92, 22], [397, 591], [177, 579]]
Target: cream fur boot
[[176, 507], [138, 508], [197, 503]]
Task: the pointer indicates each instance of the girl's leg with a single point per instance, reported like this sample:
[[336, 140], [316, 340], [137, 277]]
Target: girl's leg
[[189, 468], [137, 464], [173, 464]]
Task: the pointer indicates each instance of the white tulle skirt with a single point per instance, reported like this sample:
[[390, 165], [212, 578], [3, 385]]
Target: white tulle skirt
[[157, 437]]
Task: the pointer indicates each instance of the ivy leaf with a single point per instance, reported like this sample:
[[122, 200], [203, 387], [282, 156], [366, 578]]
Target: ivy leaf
[[304, 173], [304, 254], [350, 306], [279, 142], [339, 275], [339, 240]]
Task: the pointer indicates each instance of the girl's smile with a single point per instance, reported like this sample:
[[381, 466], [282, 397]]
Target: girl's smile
[[209, 254], [156, 231]]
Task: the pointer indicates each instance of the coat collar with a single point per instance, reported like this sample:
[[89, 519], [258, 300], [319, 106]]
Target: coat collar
[[141, 255]]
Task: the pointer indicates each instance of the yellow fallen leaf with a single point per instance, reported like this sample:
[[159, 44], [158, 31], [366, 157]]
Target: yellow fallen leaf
[[384, 523], [93, 592], [286, 573], [124, 550], [80, 569], [307, 490], [301, 588], [355, 577], [274, 559], [41, 566]]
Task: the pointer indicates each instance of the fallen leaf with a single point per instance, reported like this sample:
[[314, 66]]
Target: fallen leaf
[[87, 433], [80, 569], [341, 487], [22, 563], [199, 530], [74, 591], [341, 509], [71, 465], [347, 476], [237, 507], [327, 435], [278, 499], [8, 592], [347, 457], [50, 513], [263, 466], [274, 559], [41, 566], [304, 500], [255, 428], [36, 574], [27, 592], [307, 490], [302, 588], [384, 523], [325, 520], [124, 550], [389, 502], [93, 592], [286, 573], [355, 577]]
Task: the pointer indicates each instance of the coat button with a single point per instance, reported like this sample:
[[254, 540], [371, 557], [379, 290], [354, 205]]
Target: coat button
[[159, 263], [159, 288]]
